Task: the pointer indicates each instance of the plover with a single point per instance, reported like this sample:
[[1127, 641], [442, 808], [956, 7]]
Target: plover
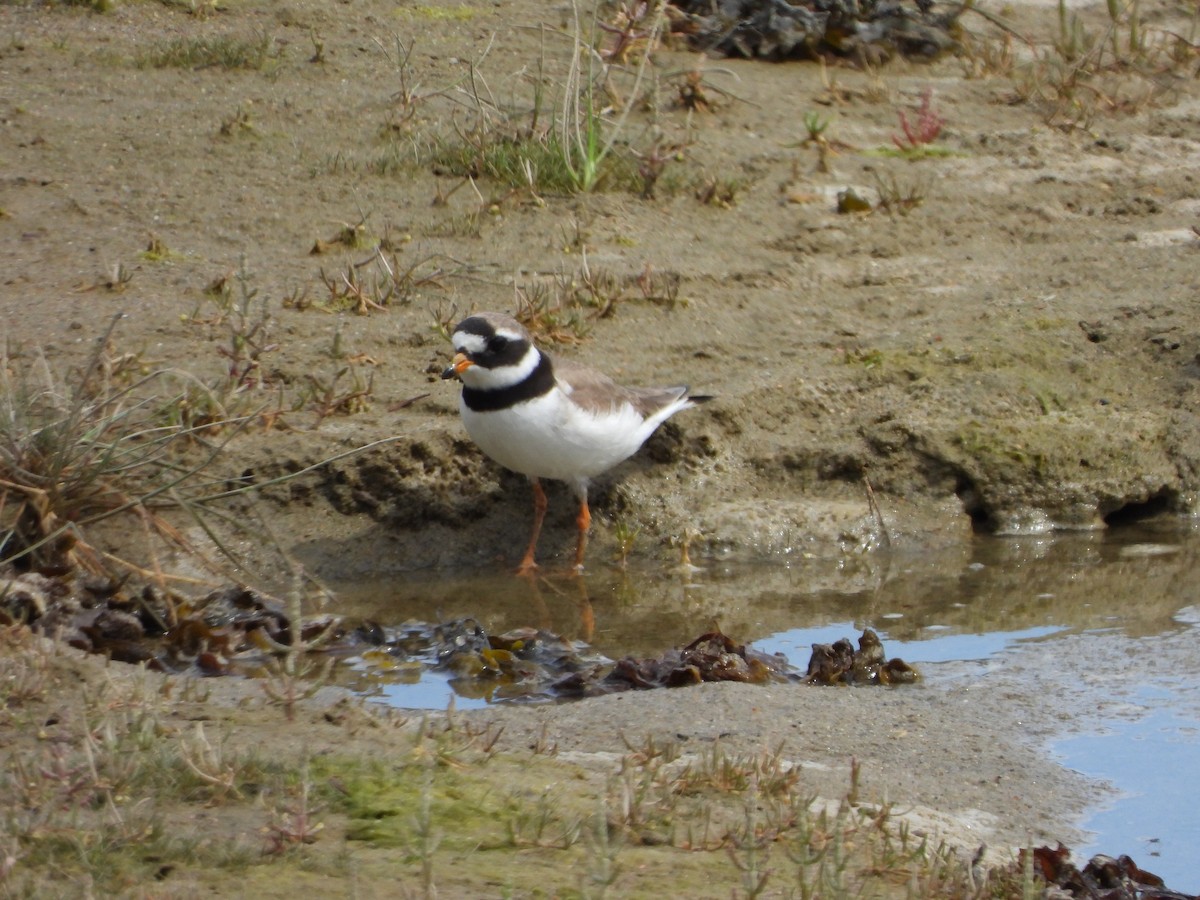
[[547, 418]]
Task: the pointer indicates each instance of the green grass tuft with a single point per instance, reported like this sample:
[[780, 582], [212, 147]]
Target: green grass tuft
[[258, 53], [540, 162]]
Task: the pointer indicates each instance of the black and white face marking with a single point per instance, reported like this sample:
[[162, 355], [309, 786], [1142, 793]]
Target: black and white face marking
[[488, 346], [500, 357]]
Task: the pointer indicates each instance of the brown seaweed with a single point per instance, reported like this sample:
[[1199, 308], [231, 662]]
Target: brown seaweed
[[840, 663], [237, 630], [1103, 878]]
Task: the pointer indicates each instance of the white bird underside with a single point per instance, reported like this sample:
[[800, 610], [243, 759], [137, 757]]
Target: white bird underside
[[555, 437]]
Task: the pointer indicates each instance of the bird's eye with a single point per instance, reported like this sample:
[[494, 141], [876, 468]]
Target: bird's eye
[[497, 342]]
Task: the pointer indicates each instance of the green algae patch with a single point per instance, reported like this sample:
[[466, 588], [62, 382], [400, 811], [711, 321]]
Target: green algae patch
[[538, 826], [1049, 434], [494, 802], [1062, 448], [1061, 469]]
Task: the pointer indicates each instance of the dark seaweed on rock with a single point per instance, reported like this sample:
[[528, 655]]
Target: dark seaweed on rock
[[840, 663], [522, 664], [1103, 878], [717, 657], [209, 635], [235, 630], [868, 30], [710, 657]]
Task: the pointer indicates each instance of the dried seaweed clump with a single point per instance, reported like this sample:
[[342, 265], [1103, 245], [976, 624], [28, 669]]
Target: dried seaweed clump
[[865, 30], [222, 633], [840, 663], [711, 657], [235, 630], [1103, 878]]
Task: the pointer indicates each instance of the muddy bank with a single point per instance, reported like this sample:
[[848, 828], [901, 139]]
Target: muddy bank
[[1016, 352], [1006, 342]]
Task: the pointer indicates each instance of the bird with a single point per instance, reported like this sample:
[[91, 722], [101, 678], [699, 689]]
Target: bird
[[548, 418]]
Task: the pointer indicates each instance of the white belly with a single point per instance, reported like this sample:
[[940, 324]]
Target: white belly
[[550, 437]]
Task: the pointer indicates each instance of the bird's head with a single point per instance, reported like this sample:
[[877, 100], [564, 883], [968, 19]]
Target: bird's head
[[491, 352]]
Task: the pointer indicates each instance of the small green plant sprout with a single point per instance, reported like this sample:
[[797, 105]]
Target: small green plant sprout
[[575, 236], [211, 766], [385, 285], [406, 98], [582, 142], [918, 136], [348, 291], [220, 289], [868, 359], [328, 396], [1072, 40], [985, 56], [156, 250], [815, 126], [719, 192], [626, 535]]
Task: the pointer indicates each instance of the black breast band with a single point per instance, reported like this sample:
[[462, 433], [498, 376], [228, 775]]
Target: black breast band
[[539, 383]]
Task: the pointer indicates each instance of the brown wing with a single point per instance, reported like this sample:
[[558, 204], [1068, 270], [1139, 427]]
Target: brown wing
[[596, 392]]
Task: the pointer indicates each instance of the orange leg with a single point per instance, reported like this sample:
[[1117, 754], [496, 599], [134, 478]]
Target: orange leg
[[528, 566], [583, 523]]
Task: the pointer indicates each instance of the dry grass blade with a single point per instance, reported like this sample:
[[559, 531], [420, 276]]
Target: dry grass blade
[[73, 456], [584, 141]]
